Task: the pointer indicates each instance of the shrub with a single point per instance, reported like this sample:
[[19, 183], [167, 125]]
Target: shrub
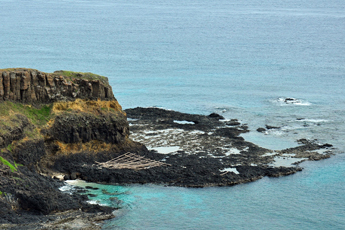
[[5, 162]]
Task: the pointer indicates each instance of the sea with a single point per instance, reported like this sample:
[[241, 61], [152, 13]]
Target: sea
[[241, 59]]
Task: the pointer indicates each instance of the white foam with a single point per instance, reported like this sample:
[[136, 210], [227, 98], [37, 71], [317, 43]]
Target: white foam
[[233, 151], [313, 120], [132, 119], [65, 188], [166, 150], [234, 170], [196, 132], [69, 185], [322, 151], [282, 101], [150, 132], [269, 154], [157, 107], [171, 131], [285, 161], [288, 154], [274, 132], [184, 122], [95, 202]]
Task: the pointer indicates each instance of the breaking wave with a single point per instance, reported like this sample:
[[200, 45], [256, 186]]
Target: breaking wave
[[282, 101]]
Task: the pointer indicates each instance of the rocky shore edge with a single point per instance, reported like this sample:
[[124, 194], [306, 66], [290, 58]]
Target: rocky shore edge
[[75, 128]]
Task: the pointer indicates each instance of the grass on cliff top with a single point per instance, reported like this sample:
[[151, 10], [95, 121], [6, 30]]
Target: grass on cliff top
[[16, 69], [80, 75], [69, 75], [38, 116]]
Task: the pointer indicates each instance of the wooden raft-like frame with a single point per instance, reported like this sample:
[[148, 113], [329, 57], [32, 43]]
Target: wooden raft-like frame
[[131, 161]]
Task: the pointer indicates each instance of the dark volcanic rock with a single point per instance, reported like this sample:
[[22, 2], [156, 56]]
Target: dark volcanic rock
[[84, 127], [216, 116], [29, 153], [261, 130], [36, 193], [166, 118], [180, 149], [33, 86], [208, 153], [28, 195], [232, 122], [12, 133], [272, 127]]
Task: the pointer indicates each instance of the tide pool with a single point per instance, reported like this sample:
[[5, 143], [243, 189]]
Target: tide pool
[[311, 199]]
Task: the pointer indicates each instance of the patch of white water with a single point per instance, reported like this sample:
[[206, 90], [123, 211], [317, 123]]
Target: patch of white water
[[184, 122], [234, 170], [166, 150], [233, 151], [269, 141], [286, 160]]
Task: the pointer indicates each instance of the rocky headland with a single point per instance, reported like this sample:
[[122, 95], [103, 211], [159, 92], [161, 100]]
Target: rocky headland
[[45, 120], [68, 125]]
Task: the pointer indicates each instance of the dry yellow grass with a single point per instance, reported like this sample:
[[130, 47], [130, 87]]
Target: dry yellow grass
[[92, 146], [87, 106]]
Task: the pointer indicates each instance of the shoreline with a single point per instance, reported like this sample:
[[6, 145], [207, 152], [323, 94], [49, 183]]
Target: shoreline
[[186, 150], [196, 151]]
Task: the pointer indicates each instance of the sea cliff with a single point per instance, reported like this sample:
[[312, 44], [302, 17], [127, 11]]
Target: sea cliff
[[68, 125], [33, 86], [48, 120]]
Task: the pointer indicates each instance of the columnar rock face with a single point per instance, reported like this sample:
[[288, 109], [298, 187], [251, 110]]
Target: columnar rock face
[[33, 86], [82, 128]]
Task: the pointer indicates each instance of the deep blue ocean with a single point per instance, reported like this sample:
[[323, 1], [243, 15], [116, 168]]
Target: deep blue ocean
[[237, 58]]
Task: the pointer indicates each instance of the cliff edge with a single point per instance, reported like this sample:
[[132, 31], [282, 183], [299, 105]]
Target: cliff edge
[[48, 121], [33, 86]]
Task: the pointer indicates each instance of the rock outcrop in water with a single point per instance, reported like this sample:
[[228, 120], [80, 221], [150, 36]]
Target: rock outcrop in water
[[70, 125]]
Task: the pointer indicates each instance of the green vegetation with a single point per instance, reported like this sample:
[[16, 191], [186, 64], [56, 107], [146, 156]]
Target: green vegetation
[[17, 178], [38, 116], [5, 162], [88, 76], [32, 134], [16, 165], [9, 147]]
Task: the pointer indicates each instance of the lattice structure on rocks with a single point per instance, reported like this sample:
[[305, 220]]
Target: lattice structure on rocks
[[131, 161]]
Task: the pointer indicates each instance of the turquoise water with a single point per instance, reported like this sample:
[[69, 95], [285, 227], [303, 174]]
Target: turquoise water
[[312, 199], [233, 57]]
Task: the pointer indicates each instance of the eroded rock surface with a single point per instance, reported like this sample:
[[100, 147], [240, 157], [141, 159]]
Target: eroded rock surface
[[205, 151], [49, 122], [33, 86], [83, 128]]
